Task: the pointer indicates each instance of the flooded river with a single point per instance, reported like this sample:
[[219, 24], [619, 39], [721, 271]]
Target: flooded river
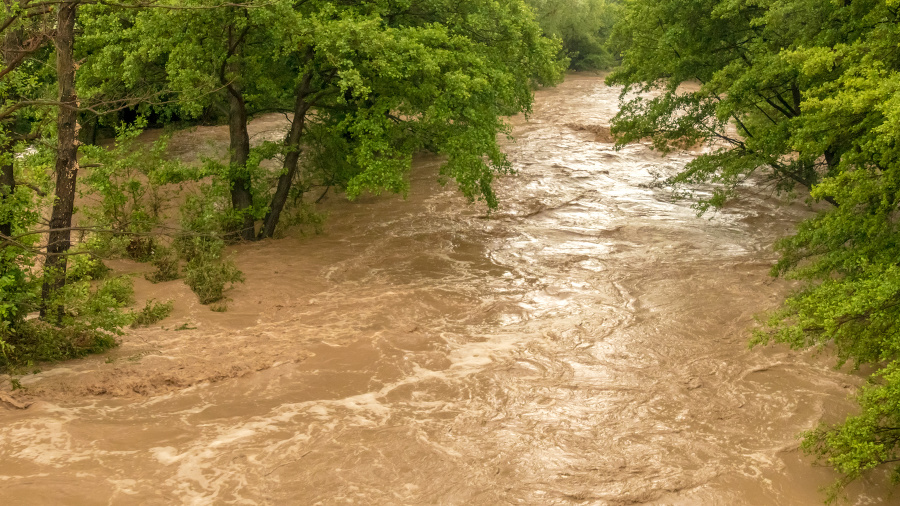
[[586, 344]]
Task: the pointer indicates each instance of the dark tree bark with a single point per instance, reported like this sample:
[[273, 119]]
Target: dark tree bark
[[291, 158], [59, 240], [241, 196]]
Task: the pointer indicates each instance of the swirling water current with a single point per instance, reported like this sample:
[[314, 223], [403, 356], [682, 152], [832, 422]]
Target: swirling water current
[[585, 344]]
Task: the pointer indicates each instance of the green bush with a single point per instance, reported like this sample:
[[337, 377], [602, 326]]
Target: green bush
[[85, 268], [303, 217], [93, 318], [152, 313], [207, 272], [18, 292], [119, 291], [165, 260], [38, 341], [126, 183]]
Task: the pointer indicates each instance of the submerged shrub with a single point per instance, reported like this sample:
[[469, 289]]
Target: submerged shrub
[[165, 260], [207, 273], [117, 292], [93, 317], [140, 249], [303, 217], [152, 313], [85, 268], [38, 341]]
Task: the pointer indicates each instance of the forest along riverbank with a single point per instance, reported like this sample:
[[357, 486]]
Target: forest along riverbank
[[585, 344]]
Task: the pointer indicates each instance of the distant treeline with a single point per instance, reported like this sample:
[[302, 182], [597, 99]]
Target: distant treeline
[[585, 27]]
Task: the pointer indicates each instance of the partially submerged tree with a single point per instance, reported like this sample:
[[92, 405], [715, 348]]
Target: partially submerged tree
[[59, 238], [720, 76], [189, 59], [387, 80]]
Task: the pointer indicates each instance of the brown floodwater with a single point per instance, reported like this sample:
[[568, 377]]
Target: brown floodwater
[[585, 344]]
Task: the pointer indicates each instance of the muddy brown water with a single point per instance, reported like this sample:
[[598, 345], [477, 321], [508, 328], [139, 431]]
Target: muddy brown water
[[584, 345]]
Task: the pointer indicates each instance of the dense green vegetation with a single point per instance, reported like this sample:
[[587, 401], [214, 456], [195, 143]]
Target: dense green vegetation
[[584, 26], [801, 95], [364, 85]]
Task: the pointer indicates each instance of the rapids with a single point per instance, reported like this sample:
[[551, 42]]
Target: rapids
[[586, 344]]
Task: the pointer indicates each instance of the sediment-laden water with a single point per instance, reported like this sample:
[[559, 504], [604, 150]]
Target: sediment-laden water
[[586, 344]]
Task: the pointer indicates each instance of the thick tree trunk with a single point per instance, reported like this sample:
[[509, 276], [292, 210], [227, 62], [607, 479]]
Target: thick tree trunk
[[59, 240], [241, 196], [291, 159]]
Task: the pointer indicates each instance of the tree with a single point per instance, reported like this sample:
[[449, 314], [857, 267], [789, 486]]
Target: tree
[[811, 88], [849, 255], [24, 33], [386, 80], [188, 58], [584, 26], [379, 80], [735, 51], [60, 234]]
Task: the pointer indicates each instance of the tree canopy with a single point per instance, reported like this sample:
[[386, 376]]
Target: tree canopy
[[799, 94]]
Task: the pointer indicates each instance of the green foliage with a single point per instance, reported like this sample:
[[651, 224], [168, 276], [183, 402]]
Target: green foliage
[[151, 313], [18, 293], [183, 53], [203, 221], [125, 184], [814, 103], [585, 27], [20, 209], [37, 341], [411, 85], [165, 259], [207, 272], [303, 217], [727, 74], [93, 317], [85, 267], [864, 441]]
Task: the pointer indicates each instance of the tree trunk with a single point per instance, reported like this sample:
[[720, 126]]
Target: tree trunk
[[241, 196], [291, 158], [59, 240]]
